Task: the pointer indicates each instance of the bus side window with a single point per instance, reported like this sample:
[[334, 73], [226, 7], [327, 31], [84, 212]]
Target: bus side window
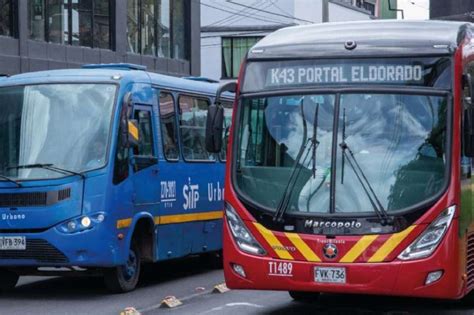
[[227, 124], [121, 159], [143, 154], [192, 123], [169, 131]]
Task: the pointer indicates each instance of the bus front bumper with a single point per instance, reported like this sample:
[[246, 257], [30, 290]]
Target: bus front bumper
[[397, 278], [51, 248]]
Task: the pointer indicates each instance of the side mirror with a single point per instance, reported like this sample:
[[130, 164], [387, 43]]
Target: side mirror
[[214, 128], [215, 119]]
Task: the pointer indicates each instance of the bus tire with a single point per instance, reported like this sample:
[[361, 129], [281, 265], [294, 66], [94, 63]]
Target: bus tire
[[9, 279], [302, 296], [122, 279]]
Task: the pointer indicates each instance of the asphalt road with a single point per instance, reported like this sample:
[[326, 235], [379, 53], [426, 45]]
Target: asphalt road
[[192, 282]]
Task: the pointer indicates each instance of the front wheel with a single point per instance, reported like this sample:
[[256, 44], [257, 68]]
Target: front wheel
[[306, 297], [124, 278], [8, 281]]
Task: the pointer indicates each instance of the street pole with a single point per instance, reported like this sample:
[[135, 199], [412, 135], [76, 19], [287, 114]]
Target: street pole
[[325, 11]]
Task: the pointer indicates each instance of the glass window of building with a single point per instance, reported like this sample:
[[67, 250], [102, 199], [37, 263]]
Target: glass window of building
[[234, 50], [157, 28], [71, 22], [6, 17]]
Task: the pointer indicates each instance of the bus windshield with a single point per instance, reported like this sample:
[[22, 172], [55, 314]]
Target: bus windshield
[[66, 125], [397, 141]]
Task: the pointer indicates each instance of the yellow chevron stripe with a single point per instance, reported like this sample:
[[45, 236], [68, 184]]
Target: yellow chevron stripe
[[133, 130], [304, 249], [358, 248], [273, 242], [124, 223], [390, 245], [189, 217]]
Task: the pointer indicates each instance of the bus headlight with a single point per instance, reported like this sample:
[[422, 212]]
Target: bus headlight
[[241, 234], [427, 242], [82, 223]]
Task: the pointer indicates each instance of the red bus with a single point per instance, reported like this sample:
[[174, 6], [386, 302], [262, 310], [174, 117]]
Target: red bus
[[349, 161]]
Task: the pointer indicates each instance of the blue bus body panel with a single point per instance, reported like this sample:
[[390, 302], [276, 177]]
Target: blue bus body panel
[[182, 201]]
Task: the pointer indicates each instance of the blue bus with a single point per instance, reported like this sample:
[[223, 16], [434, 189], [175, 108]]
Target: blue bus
[[104, 168]]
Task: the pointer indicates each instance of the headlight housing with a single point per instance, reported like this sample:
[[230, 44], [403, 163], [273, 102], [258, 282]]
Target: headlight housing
[[429, 240], [241, 235], [81, 223]]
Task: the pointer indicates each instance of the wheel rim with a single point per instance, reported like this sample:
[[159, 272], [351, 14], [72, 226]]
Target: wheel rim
[[131, 266]]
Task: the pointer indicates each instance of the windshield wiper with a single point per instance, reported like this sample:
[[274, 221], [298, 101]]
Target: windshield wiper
[[8, 179], [369, 191], [48, 167], [295, 172]]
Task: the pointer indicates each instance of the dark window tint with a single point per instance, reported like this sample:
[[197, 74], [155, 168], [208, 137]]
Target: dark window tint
[[144, 153], [168, 126], [193, 115], [72, 22], [6, 17], [234, 50], [145, 147]]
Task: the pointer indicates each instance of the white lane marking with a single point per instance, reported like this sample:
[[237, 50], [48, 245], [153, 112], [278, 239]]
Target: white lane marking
[[220, 308]]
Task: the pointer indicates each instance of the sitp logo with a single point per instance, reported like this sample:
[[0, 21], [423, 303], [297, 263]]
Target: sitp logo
[[191, 195]]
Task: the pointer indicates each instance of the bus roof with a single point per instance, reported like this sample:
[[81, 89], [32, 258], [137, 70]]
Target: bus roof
[[111, 75], [381, 38]]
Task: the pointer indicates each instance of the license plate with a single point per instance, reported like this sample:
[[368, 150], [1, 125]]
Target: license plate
[[12, 243], [330, 275]]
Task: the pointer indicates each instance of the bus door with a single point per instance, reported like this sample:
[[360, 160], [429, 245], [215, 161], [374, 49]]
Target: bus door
[[145, 162]]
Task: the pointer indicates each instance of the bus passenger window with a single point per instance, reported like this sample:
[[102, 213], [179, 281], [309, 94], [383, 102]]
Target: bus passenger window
[[169, 132], [193, 115], [143, 154]]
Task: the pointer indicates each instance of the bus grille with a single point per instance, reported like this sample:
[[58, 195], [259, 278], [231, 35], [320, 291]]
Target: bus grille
[[36, 249], [470, 262], [34, 199]]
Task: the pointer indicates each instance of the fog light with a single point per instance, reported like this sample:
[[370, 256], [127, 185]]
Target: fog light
[[100, 218], [86, 222], [239, 270], [71, 226], [433, 276]]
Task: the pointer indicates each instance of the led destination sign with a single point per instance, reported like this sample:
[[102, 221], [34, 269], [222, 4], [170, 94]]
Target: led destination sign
[[302, 75], [272, 75]]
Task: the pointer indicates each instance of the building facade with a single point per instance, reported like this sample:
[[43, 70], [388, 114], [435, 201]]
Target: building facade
[[230, 28], [459, 10], [52, 34]]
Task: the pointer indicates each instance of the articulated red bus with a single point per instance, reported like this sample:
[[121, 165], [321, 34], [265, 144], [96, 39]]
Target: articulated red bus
[[349, 164]]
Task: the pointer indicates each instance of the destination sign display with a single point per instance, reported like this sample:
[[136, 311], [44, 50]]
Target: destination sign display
[[334, 74], [271, 75]]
